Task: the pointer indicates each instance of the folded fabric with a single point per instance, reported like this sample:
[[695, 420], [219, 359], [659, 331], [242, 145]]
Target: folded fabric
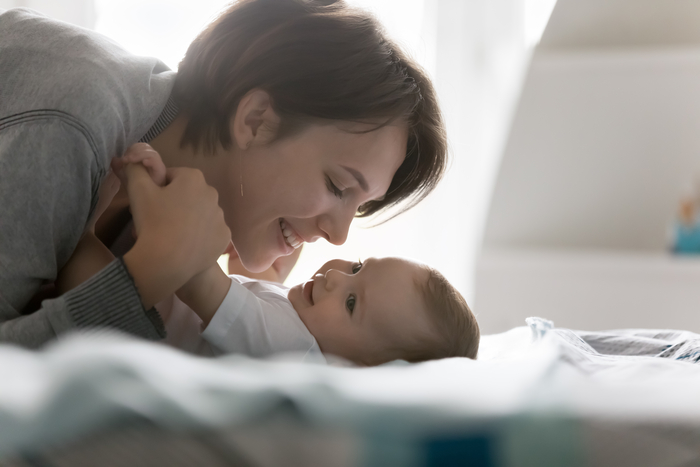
[[539, 396]]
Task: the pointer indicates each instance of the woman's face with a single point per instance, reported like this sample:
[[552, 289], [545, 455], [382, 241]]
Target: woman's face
[[304, 187]]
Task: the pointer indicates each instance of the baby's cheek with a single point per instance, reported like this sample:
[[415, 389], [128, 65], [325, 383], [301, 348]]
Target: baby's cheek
[[319, 329]]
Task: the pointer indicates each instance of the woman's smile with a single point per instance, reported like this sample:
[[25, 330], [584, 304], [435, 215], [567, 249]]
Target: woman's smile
[[291, 237]]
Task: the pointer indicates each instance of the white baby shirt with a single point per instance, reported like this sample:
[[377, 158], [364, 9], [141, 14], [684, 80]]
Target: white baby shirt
[[255, 319]]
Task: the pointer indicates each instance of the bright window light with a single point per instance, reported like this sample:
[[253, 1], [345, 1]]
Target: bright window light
[[165, 28], [157, 28], [537, 13]]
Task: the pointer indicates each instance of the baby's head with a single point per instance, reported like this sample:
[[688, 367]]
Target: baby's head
[[385, 309]]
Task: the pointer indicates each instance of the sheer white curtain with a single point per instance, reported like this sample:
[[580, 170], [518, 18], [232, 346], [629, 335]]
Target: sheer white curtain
[[475, 50]]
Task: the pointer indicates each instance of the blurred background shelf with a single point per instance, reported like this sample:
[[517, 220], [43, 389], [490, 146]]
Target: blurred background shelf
[[588, 289], [604, 140]]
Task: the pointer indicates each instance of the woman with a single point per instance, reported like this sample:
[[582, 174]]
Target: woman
[[298, 113]]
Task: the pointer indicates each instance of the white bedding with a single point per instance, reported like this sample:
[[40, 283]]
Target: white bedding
[[537, 396]]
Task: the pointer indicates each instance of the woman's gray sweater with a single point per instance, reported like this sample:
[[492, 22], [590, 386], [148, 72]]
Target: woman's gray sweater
[[70, 100]]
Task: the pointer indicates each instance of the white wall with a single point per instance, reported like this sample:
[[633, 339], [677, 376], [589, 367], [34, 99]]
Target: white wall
[[618, 24]]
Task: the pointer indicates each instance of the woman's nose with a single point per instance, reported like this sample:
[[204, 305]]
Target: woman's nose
[[336, 225]]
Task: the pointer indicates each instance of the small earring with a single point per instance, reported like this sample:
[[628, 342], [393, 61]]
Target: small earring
[[240, 167], [240, 172]]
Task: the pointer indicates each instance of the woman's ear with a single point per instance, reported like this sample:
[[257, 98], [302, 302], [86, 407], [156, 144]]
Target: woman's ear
[[255, 122]]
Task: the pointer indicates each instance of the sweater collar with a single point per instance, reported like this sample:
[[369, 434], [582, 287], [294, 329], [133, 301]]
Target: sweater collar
[[164, 119]]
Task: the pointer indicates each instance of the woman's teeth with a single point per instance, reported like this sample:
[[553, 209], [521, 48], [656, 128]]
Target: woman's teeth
[[289, 236]]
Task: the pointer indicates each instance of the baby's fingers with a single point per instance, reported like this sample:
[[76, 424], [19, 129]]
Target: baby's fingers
[[156, 169], [144, 154], [138, 152]]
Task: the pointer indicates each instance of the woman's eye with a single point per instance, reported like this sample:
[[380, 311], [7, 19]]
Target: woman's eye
[[356, 267], [350, 303], [334, 189]]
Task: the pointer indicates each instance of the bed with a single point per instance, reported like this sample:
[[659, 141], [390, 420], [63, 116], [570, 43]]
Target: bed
[[537, 396]]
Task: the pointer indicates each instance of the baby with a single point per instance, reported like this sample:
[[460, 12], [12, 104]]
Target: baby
[[368, 312]]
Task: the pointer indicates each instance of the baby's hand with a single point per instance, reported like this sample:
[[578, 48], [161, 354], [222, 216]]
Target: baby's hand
[[146, 155]]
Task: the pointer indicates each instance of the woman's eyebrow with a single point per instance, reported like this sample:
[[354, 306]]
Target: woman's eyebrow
[[359, 177]]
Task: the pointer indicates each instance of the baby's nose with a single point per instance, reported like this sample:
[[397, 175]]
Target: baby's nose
[[332, 278]]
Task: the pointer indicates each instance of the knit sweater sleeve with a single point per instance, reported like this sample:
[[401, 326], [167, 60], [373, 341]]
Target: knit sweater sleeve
[[49, 177]]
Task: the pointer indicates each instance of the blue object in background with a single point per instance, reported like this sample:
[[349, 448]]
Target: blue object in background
[[686, 238]]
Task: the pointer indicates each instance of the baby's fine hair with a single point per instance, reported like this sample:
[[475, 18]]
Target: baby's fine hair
[[456, 332]]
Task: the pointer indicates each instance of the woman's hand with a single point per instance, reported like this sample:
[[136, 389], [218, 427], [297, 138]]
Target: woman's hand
[[88, 258], [108, 189], [180, 230], [91, 255]]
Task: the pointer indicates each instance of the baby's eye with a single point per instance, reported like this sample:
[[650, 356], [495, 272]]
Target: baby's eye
[[350, 303], [356, 267]]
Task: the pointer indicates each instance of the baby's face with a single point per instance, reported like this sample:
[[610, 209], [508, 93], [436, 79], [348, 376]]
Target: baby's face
[[364, 312]]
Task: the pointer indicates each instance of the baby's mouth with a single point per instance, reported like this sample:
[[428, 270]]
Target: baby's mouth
[[289, 236], [308, 291]]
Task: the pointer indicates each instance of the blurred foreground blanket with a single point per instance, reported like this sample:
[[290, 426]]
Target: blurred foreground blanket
[[537, 396]]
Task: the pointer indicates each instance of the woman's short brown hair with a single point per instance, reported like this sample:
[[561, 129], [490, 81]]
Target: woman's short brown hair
[[318, 59]]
